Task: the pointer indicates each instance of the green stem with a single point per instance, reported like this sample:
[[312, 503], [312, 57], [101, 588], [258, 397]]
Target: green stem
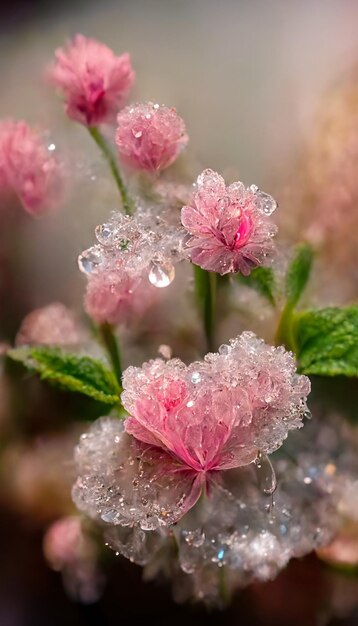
[[110, 342], [284, 333], [109, 156], [223, 590], [205, 287]]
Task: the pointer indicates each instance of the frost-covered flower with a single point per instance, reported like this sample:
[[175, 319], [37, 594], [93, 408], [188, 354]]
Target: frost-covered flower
[[229, 226], [149, 136], [146, 245], [236, 526], [54, 324], [73, 552], [94, 81], [132, 255], [28, 168], [117, 297], [186, 425]]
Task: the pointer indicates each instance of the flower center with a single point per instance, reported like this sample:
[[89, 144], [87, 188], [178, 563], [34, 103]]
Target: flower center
[[243, 232]]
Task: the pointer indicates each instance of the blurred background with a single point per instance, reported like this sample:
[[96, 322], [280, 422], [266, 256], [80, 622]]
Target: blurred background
[[259, 84]]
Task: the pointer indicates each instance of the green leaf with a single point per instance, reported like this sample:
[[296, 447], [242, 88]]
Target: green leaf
[[70, 372], [326, 341], [262, 279], [298, 273]]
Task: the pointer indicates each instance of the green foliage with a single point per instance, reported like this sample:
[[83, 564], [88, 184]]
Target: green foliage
[[326, 341], [298, 273], [70, 372], [262, 279]]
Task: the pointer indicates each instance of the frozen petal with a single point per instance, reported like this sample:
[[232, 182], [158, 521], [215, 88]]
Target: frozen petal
[[135, 544], [122, 481]]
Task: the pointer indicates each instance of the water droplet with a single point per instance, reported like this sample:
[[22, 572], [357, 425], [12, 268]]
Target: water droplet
[[161, 274], [51, 147], [264, 202], [105, 234], [221, 554], [265, 473], [109, 516], [90, 260], [195, 378], [137, 133]]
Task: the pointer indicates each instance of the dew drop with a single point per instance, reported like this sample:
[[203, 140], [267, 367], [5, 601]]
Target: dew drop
[[195, 378], [51, 147], [264, 202], [137, 133], [265, 473], [105, 234], [161, 274], [89, 260]]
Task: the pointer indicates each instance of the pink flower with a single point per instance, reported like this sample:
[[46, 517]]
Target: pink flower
[[115, 297], [230, 228], [27, 168], [94, 82], [150, 137], [54, 324], [186, 425], [63, 542], [72, 551]]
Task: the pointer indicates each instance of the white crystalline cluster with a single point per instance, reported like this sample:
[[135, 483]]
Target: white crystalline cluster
[[151, 242], [235, 534]]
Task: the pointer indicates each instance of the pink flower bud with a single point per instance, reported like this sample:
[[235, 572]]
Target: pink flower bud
[[115, 296], [54, 324], [94, 81], [149, 136], [28, 168]]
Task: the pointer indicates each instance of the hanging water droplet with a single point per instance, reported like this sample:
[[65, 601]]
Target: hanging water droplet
[[161, 274], [195, 378], [105, 234], [51, 147], [265, 473], [137, 133], [264, 202], [90, 260]]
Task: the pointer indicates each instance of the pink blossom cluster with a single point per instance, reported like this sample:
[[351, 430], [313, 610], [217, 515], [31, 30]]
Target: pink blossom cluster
[[187, 424], [94, 81], [116, 297], [54, 324], [73, 552], [149, 136], [134, 254], [28, 168], [229, 226]]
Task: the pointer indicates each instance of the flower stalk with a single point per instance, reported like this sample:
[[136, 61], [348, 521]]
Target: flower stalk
[[109, 156], [110, 342], [206, 288]]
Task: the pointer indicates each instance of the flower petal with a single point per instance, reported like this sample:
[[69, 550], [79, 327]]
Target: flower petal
[[123, 481]]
